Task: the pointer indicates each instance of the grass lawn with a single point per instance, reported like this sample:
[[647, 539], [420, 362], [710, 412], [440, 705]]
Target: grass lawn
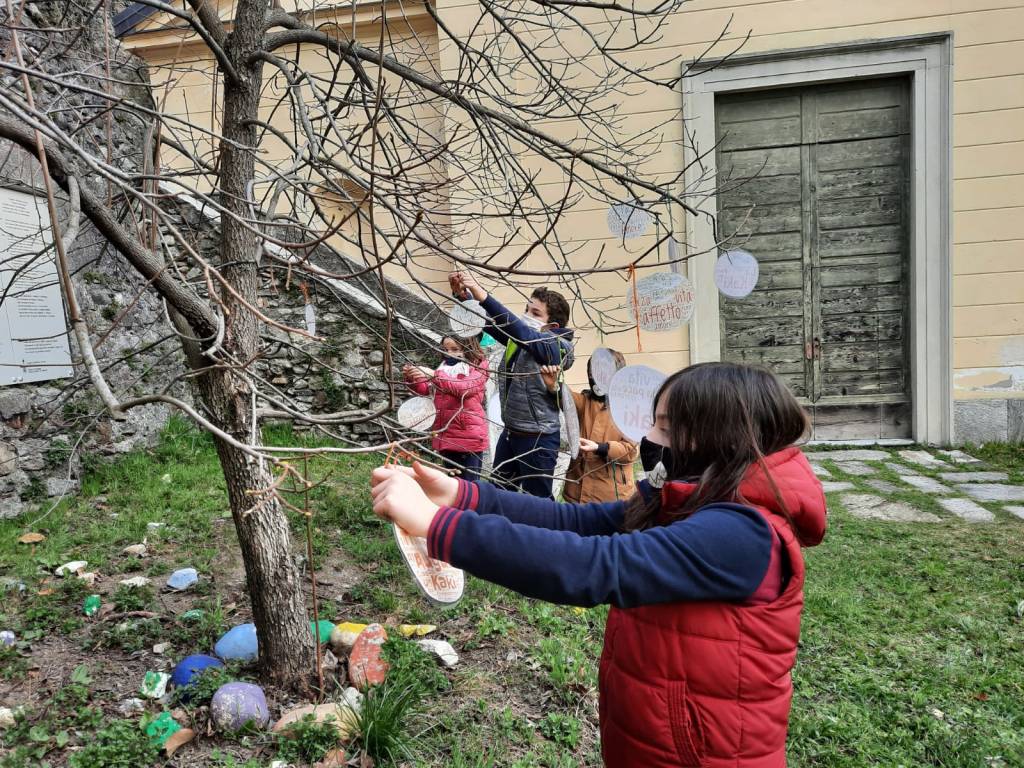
[[912, 650]]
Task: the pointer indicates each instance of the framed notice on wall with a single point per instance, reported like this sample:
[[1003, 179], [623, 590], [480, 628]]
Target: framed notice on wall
[[33, 327]]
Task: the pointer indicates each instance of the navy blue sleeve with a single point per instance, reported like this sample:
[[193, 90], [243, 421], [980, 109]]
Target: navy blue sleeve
[[594, 519], [717, 553], [543, 346]]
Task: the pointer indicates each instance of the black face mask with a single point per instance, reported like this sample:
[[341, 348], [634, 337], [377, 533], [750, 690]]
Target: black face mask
[[652, 454], [449, 360]]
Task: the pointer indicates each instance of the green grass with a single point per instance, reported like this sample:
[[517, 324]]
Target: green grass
[[912, 651]]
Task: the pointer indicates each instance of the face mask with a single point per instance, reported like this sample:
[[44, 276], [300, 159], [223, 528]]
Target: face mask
[[532, 322], [449, 360], [656, 460]]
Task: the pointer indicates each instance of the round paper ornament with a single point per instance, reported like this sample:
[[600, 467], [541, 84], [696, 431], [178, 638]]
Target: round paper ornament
[[666, 301], [631, 399], [441, 583], [467, 318], [736, 273], [628, 220], [417, 413], [602, 367]]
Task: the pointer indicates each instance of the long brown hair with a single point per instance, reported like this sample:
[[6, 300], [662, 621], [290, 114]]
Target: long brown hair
[[470, 347], [723, 417]]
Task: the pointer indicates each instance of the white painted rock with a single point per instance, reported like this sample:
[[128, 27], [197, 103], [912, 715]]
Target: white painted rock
[[89, 577], [73, 567], [6, 717], [135, 581], [135, 550], [130, 707], [442, 649]]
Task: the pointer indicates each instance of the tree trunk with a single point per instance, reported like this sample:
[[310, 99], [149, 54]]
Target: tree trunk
[[278, 604]]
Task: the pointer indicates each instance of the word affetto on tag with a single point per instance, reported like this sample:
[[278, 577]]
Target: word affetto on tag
[[442, 584]]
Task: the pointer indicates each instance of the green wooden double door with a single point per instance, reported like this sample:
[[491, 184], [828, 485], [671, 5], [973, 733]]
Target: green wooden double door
[[814, 182]]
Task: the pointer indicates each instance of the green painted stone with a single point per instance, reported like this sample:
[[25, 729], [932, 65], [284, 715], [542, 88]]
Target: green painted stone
[[194, 614], [325, 628], [162, 728], [91, 606]]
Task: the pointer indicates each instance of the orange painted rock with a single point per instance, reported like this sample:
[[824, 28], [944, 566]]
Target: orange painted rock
[[366, 667], [333, 759], [340, 715]]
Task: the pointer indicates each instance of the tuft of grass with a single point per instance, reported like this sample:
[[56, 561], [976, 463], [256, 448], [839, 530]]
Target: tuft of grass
[[382, 725]]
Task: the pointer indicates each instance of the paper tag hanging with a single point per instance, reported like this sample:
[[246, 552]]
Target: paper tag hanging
[[631, 399], [442, 583], [467, 318], [310, 320], [602, 368], [666, 301], [673, 252], [571, 420], [417, 413], [628, 220], [736, 273]]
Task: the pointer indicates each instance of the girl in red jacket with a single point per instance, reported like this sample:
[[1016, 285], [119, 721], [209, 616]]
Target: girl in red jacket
[[702, 567], [458, 386]]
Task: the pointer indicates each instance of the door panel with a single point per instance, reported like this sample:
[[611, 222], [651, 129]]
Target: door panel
[[814, 183]]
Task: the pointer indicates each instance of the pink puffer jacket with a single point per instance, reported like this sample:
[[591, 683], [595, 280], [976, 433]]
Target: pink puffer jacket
[[461, 423]]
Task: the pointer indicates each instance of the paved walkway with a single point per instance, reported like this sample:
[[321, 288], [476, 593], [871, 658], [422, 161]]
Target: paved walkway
[[917, 486]]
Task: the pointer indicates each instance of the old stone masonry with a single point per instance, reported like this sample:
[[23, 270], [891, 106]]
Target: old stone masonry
[[917, 485]]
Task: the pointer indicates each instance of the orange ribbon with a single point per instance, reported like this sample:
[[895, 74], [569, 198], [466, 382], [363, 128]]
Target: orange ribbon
[[631, 269]]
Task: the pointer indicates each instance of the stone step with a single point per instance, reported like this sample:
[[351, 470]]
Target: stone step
[[967, 510], [993, 491], [973, 477]]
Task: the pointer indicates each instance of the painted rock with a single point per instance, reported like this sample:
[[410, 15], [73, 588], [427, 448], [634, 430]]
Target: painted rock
[[178, 740], [418, 630], [136, 550], [183, 578], [236, 705], [73, 567], [7, 637], [344, 635], [322, 629], [341, 716], [442, 650], [191, 666], [8, 717], [334, 759], [192, 614], [366, 667], [238, 644], [154, 684], [91, 605], [135, 581], [161, 729]]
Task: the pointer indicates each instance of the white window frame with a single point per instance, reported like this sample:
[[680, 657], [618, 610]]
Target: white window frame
[[927, 60]]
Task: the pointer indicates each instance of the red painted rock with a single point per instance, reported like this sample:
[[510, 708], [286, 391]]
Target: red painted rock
[[366, 668]]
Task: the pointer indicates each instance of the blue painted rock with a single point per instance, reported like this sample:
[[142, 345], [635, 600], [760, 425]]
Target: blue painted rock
[[238, 644], [236, 705], [191, 666], [366, 666], [183, 578]]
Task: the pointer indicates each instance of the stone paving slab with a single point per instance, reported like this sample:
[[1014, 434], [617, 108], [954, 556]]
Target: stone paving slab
[[967, 510], [993, 492], [923, 458], [959, 457], [883, 486], [973, 477], [820, 471], [868, 506], [857, 468], [900, 469], [1013, 509], [859, 454], [831, 486], [926, 484]]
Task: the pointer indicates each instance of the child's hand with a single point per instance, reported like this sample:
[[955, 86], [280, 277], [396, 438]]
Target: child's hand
[[465, 286], [440, 487], [588, 446], [550, 375], [399, 498]]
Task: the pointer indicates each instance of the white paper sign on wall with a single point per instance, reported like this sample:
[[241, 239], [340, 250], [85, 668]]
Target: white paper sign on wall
[[441, 583], [631, 399], [666, 301], [417, 413], [602, 367], [628, 220], [736, 273], [467, 318], [310, 319], [33, 328]]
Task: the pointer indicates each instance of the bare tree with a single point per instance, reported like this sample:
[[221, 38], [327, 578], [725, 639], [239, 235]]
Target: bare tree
[[411, 153]]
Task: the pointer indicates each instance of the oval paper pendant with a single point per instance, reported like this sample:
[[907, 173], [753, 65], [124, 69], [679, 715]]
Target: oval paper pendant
[[417, 413], [442, 584], [602, 367], [467, 318], [628, 220], [736, 273], [665, 300], [631, 399]]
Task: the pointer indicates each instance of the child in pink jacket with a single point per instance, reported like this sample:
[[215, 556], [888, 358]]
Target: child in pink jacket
[[458, 384]]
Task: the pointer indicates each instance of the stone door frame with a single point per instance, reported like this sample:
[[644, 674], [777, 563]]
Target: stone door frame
[[927, 59]]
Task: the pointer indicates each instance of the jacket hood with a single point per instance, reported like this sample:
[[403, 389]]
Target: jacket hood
[[797, 484]]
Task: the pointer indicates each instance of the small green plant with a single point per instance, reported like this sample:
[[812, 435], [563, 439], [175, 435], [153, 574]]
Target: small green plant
[[494, 623], [57, 453], [12, 665], [381, 725], [412, 666], [203, 686], [127, 598], [122, 743], [307, 741], [561, 729]]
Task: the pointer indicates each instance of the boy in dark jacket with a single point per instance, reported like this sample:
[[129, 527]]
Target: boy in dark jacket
[[528, 447]]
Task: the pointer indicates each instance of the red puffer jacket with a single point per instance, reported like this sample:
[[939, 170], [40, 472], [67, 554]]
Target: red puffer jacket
[[708, 684], [460, 424]]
